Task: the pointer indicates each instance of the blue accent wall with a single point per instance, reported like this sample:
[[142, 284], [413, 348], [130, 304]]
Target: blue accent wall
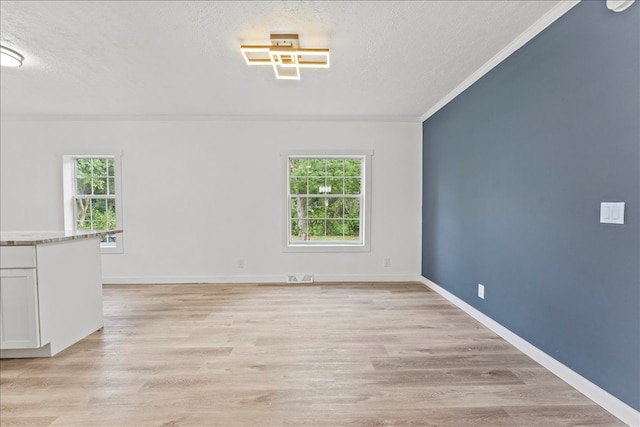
[[514, 172]]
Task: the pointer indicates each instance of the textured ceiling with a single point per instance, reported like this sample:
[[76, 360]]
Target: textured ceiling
[[392, 59]]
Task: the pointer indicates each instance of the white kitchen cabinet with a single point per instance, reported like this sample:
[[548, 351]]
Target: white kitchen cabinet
[[50, 291], [19, 323]]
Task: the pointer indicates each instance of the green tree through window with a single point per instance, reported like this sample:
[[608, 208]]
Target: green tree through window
[[95, 198], [325, 199]]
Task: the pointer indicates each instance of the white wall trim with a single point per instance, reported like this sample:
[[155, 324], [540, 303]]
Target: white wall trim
[[547, 19], [148, 280], [175, 280], [607, 401], [209, 118], [366, 278]]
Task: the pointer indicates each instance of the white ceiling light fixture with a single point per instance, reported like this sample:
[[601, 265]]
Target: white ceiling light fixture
[[285, 56], [10, 58], [619, 5]]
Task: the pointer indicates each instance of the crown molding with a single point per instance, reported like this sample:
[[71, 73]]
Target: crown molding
[[547, 19], [207, 118]]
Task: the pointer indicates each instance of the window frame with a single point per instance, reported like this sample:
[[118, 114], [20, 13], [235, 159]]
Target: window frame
[[69, 195], [365, 207]]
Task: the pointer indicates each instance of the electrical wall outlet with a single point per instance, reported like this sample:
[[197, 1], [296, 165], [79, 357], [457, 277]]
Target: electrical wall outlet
[[481, 291], [240, 263], [387, 262]]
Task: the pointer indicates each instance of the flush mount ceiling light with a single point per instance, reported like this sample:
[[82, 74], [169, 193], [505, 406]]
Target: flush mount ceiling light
[[10, 58], [285, 56]]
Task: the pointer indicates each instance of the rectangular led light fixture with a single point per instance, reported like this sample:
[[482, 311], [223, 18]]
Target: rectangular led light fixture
[[285, 56]]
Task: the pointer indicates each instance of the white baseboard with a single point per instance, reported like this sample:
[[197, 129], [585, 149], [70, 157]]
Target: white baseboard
[[366, 278], [174, 280], [615, 406], [144, 280]]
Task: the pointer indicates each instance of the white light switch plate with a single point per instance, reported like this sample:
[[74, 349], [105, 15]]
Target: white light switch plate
[[612, 212]]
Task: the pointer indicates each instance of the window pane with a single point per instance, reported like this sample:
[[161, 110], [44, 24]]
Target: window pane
[[317, 229], [315, 185], [299, 231], [317, 167], [83, 211], [95, 207], [336, 185], [352, 230], [335, 207], [352, 186], [352, 208], [332, 211], [335, 167], [298, 207], [334, 230], [83, 186], [83, 168], [316, 207], [99, 185], [298, 167], [99, 167], [99, 214], [353, 167], [85, 225], [298, 186], [110, 212], [108, 240]]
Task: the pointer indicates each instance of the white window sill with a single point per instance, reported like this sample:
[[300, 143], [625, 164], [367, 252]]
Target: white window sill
[[111, 249], [326, 248]]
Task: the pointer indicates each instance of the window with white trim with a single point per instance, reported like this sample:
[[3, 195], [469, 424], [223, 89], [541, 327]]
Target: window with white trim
[[92, 199], [326, 201]]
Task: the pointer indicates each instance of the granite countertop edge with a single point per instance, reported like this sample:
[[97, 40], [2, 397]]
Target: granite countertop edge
[[30, 238]]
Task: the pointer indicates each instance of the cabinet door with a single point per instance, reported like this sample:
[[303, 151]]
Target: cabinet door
[[19, 325]]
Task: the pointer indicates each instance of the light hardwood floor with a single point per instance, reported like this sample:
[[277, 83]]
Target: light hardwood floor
[[345, 354]]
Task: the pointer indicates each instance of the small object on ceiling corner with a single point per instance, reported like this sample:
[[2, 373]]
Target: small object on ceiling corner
[[619, 5], [10, 58]]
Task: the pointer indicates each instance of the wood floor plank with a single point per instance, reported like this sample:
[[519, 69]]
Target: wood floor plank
[[326, 354], [9, 421], [477, 417], [551, 416]]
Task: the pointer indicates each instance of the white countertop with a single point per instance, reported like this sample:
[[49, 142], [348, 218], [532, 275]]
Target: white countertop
[[28, 238]]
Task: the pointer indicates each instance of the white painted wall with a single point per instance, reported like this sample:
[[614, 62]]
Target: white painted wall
[[191, 192]]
